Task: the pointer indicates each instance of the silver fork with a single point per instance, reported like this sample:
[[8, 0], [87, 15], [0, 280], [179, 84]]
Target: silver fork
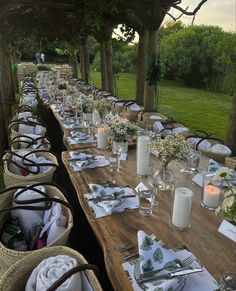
[[160, 242], [181, 265]]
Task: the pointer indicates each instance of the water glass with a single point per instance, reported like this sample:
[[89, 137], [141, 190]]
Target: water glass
[[192, 163], [146, 201], [113, 160], [228, 279]]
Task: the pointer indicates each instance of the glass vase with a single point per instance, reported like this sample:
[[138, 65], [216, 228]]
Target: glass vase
[[163, 179]]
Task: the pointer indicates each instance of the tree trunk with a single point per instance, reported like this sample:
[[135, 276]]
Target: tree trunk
[[74, 63], [109, 67], [82, 61], [103, 66], [231, 134], [141, 69], [86, 62], [150, 100], [5, 95]]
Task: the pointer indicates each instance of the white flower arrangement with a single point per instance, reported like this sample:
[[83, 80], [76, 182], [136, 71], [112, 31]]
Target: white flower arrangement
[[171, 148], [120, 129], [85, 104], [102, 106], [228, 206]]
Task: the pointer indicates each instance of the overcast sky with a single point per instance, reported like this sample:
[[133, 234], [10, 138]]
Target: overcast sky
[[213, 12]]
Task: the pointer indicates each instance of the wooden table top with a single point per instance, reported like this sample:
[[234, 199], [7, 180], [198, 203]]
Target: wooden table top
[[67, 132], [212, 249]]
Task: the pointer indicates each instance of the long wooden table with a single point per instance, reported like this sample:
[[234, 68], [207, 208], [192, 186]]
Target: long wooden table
[[120, 229], [67, 132]]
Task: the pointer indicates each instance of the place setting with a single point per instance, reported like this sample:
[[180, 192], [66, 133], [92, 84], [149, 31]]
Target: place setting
[[163, 269], [108, 198], [77, 137], [82, 160]]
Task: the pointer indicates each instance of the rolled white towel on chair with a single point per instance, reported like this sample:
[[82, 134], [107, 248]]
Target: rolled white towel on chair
[[158, 126], [221, 149], [29, 218], [52, 269], [15, 169]]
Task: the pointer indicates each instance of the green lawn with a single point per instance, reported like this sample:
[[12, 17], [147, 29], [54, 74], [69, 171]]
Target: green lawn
[[196, 109]]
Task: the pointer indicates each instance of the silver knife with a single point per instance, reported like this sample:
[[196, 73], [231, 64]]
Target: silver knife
[[110, 198], [170, 275]]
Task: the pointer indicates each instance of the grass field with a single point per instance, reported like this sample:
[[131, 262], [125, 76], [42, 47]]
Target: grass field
[[196, 109]]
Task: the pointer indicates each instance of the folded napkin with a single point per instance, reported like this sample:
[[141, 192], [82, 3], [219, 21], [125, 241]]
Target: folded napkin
[[29, 218], [221, 149], [153, 256], [54, 223], [112, 98], [50, 270], [82, 139], [100, 191], [97, 162], [158, 126], [79, 155], [214, 166]]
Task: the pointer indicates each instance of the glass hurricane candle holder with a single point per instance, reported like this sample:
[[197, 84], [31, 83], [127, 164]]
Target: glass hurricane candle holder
[[210, 192]]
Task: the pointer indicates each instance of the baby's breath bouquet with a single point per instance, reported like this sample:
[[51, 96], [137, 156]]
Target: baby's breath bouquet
[[120, 129], [171, 148], [102, 106], [228, 206], [85, 105]]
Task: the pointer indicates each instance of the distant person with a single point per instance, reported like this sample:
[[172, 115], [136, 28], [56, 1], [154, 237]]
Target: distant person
[[38, 57], [42, 57]]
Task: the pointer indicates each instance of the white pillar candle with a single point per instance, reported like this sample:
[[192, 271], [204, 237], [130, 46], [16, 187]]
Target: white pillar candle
[[143, 155], [101, 138], [211, 196], [183, 198]]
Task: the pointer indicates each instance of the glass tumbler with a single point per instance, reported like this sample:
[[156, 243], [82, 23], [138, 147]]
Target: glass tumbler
[[228, 279]]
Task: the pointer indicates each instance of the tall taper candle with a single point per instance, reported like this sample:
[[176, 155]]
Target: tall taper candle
[[143, 155]]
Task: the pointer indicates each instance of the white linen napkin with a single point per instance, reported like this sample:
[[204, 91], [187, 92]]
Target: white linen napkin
[[100, 191], [221, 149], [82, 139], [50, 270], [214, 166], [29, 218], [153, 256], [98, 162], [79, 155], [54, 223], [104, 208]]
